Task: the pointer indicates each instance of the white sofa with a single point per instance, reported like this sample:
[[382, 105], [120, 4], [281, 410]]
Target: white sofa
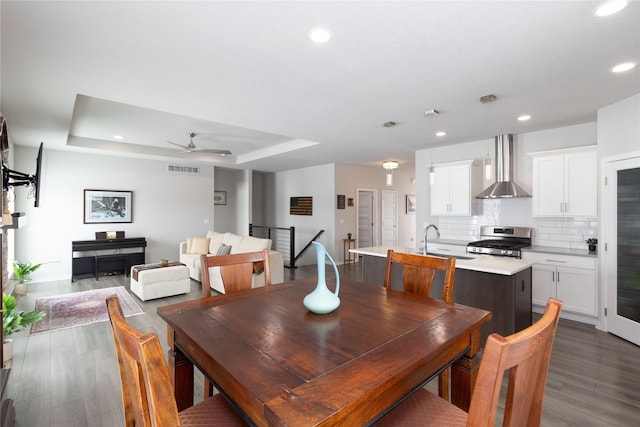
[[212, 244]]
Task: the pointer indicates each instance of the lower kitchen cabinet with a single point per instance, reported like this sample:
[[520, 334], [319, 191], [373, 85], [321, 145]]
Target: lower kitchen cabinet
[[570, 279]]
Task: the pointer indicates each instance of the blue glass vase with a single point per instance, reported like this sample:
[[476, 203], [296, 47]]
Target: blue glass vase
[[322, 300]]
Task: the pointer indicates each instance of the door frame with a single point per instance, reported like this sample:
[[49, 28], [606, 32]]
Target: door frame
[[611, 322], [395, 216], [374, 213]]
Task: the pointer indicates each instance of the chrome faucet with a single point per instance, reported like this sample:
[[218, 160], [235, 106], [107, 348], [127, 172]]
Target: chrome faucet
[[426, 230]]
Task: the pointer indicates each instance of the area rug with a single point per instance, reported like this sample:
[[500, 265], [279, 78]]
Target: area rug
[[81, 308]]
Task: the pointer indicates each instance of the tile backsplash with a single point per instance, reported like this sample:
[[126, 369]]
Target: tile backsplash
[[568, 233]]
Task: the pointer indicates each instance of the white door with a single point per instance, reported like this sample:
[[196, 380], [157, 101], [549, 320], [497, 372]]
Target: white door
[[366, 203], [389, 218], [621, 234]]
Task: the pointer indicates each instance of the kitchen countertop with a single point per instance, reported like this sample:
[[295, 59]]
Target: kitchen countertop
[[484, 263], [540, 249], [561, 251]]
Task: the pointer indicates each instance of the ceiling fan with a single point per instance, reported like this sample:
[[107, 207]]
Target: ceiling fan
[[191, 147]]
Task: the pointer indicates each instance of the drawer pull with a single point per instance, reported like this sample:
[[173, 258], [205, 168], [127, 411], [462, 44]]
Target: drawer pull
[[555, 260]]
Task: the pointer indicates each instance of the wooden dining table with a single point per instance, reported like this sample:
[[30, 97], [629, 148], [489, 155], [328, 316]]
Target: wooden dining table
[[283, 365]]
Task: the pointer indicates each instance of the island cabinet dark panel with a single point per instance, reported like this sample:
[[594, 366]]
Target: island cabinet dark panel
[[507, 297]]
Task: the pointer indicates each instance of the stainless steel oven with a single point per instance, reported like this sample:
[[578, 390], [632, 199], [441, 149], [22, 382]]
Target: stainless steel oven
[[501, 241]]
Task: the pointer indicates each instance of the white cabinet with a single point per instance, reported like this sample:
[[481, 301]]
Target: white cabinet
[[571, 279], [565, 182], [451, 192]]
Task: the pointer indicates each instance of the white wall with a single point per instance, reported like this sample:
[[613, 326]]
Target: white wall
[[349, 178], [619, 127], [167, 207], [317, 182]]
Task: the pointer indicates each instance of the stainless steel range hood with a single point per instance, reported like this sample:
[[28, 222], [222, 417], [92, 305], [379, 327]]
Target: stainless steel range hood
[[503, 187]]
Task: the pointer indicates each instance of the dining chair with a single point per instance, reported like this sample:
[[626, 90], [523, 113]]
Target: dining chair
[[525, 355], [418, 272], [147, 394], [236, 270]]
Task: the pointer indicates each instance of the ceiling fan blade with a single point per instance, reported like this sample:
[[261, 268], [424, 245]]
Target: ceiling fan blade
[[213, 151], [184, 147]]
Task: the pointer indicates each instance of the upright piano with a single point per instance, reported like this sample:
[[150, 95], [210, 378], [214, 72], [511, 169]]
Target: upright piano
[[106, 256]]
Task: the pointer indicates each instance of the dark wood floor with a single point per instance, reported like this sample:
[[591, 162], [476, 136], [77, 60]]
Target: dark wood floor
[[70, 378]]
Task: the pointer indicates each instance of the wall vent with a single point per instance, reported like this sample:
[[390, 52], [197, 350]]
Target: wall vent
[[183, 169]]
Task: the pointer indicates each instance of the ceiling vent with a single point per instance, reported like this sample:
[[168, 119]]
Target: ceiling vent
[[183, 169]]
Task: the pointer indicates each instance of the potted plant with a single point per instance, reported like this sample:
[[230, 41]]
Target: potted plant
[[13, 321], [592, 244], [349, 236], [22, 273]]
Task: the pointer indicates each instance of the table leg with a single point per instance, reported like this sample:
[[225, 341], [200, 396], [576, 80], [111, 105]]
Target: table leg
[[181, 373], [464, 372]]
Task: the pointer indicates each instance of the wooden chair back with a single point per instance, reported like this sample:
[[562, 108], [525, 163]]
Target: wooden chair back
[[526, 355], [418, 272], [147, 394], [236, 270]]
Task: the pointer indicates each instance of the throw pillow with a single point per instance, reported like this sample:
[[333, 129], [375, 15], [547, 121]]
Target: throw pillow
[[198, 245], [224, 249]]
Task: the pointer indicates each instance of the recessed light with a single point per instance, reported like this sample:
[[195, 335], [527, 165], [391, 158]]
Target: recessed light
[[524, 117], [320, 35], [621, 68], [119, 137], [441, 133], [610, 7]]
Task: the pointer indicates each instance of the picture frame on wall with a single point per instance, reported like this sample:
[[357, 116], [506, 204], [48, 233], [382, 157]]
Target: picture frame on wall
[[411, 204], [107, 206], [219, 197]]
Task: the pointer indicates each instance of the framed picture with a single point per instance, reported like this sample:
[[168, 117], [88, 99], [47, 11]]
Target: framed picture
[[411, 203], [341, 199], [219, 197], [105, 206]]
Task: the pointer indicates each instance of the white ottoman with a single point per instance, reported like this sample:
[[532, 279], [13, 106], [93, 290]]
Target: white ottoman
[[159, 282]]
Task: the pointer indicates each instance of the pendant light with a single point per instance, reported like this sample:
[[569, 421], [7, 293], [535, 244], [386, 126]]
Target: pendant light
[[389, 167], [486, 100], [432, 171], [487, 166]]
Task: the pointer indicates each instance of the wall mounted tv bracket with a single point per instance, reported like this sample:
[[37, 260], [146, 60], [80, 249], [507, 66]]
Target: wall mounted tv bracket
[[11, 178]]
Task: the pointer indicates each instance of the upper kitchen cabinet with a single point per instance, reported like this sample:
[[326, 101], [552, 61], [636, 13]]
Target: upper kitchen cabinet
[[565, 182], [452, 190]]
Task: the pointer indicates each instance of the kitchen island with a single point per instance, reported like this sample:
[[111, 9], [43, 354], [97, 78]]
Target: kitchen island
[[499, 284]]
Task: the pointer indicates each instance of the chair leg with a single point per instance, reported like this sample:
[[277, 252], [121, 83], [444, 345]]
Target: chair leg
[[208, 388], [443, 384]]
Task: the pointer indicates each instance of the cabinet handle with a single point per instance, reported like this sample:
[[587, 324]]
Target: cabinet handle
[[553, 276], [523, 286], [561, 207], [555, 260]]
